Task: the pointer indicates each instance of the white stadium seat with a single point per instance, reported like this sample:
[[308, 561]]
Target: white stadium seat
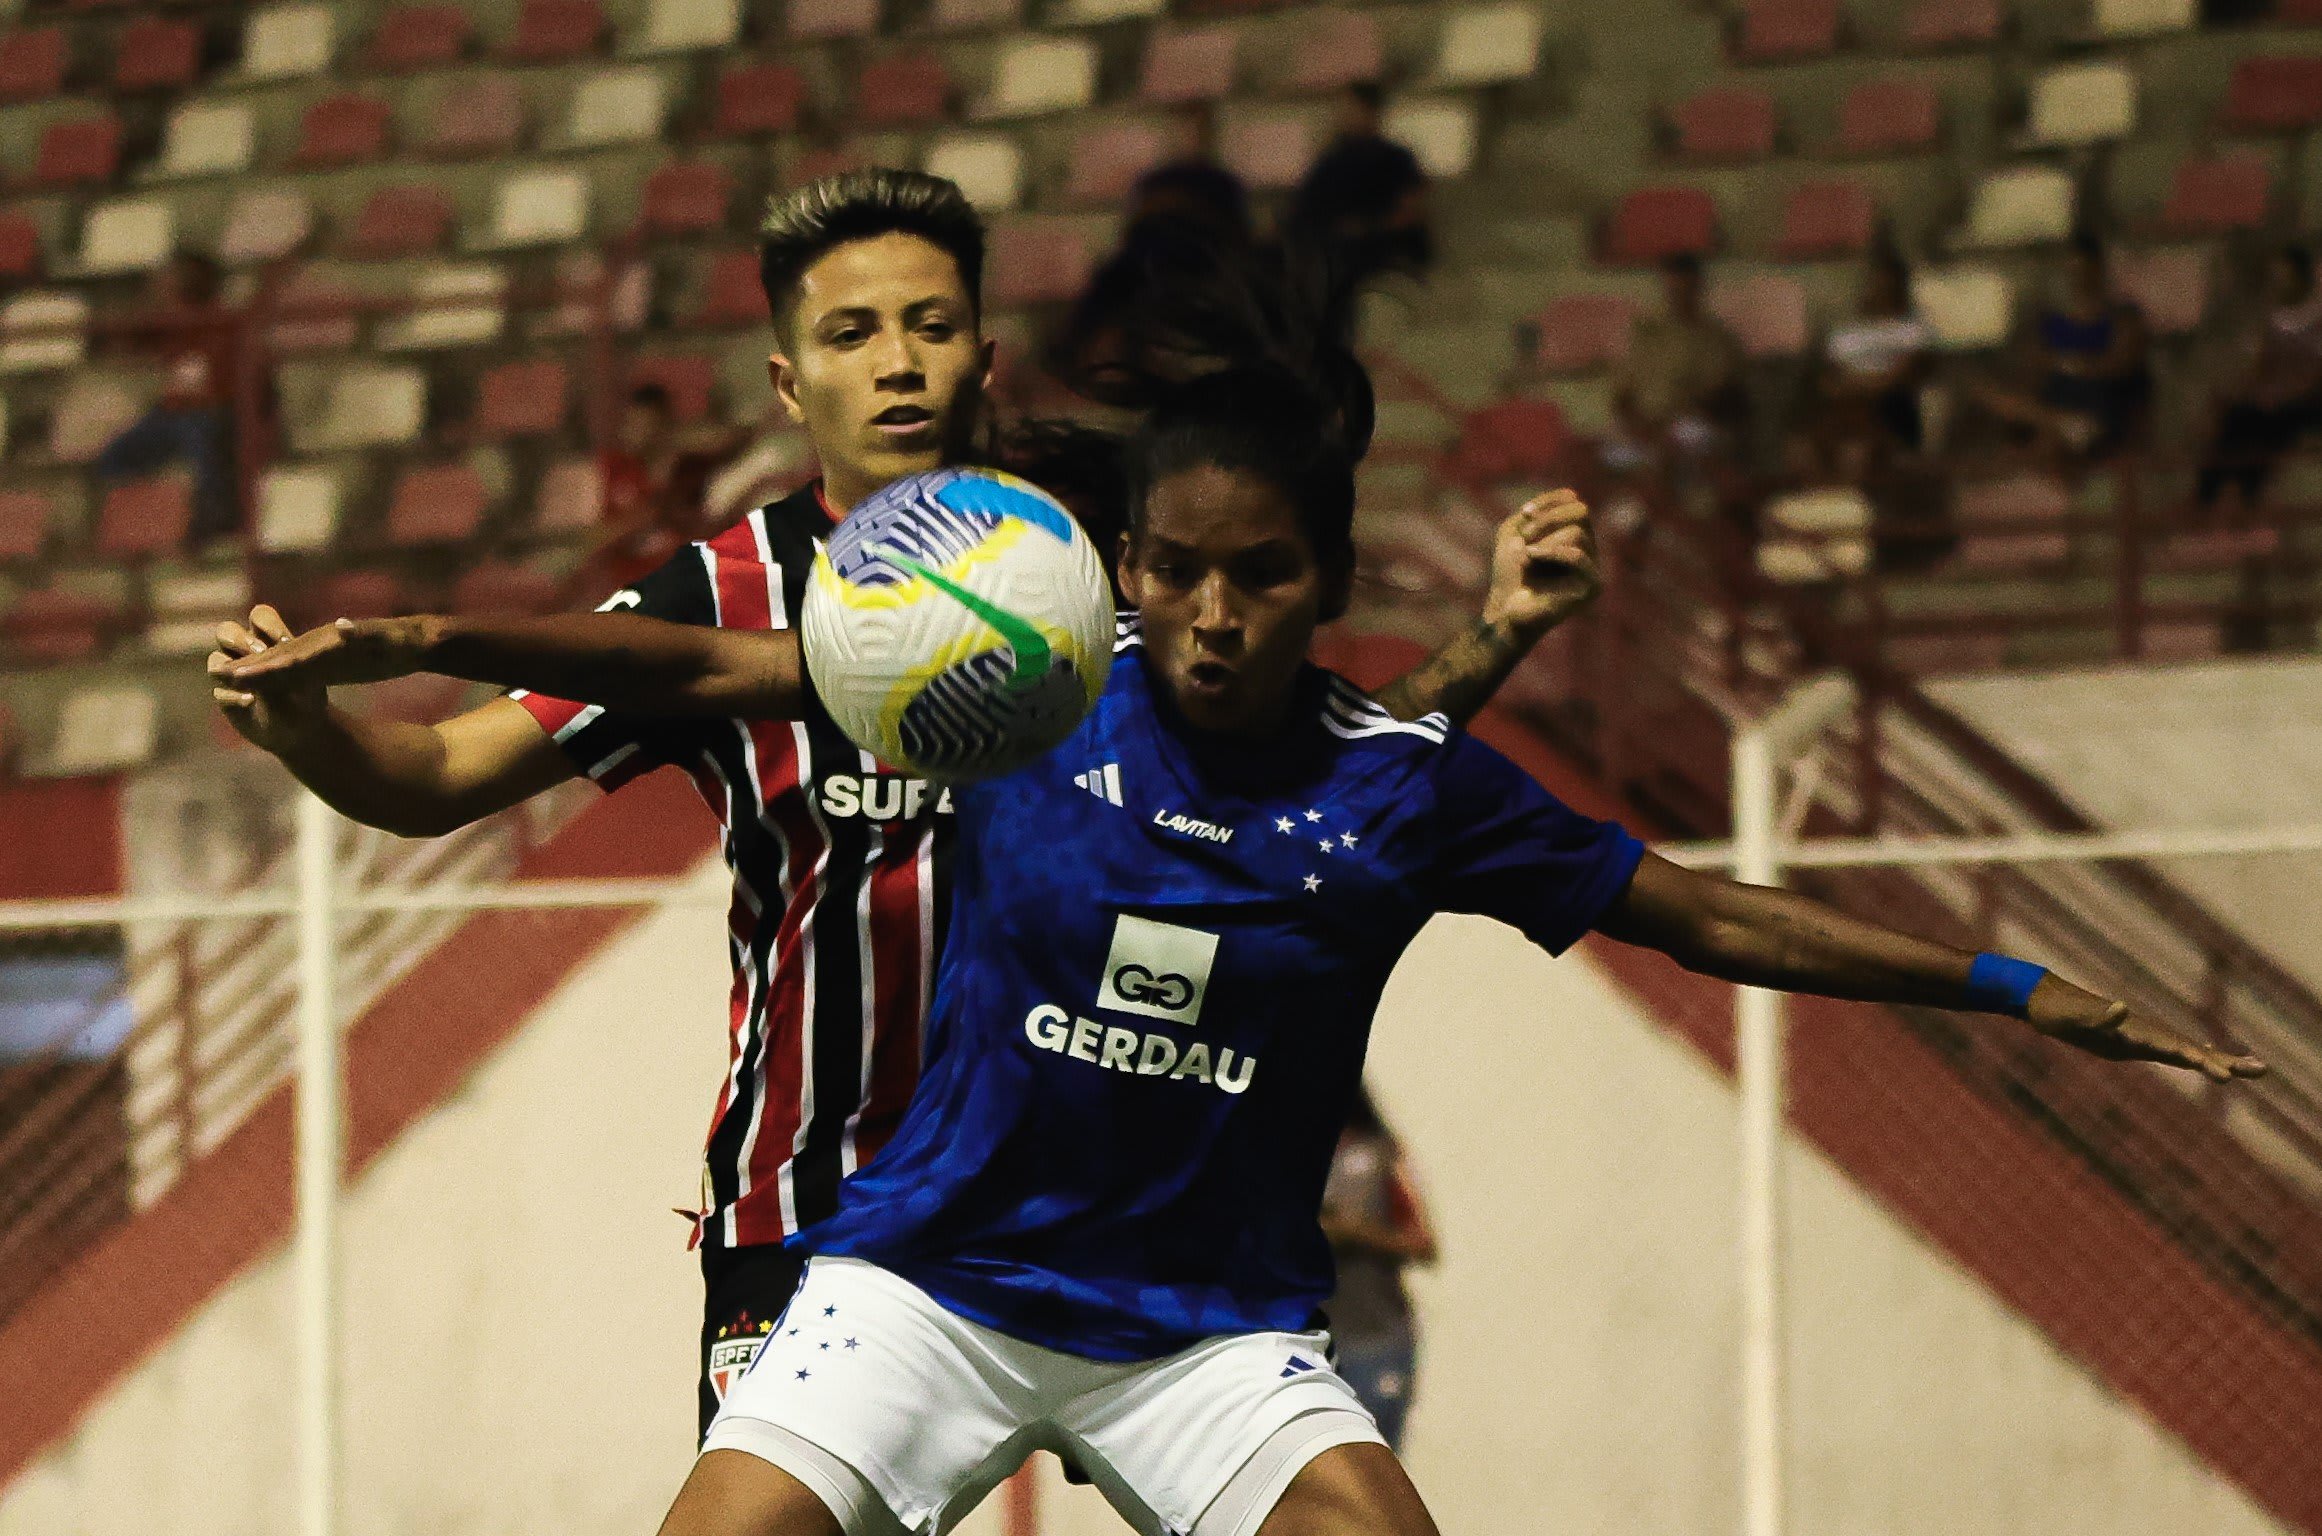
[[1967, 307], [454, 306], [2024, 205], [539, 207], [368, 405], [265, 224], [287, 41], [208, 138], [681, 26], [43, 330], [1042, 74], [1439, 130], [105, 729], [2082, 104], [987, 166], [1091, 12], [617, 106], [130, 234], [1498, 42], [298, 508], [2142, 18]]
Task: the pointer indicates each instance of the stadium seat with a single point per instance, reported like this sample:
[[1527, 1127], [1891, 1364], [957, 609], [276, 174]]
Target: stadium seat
[[1725, 122], [2216, 194], [814, 163], [25, 517], [2141, 18], [688, 378], [285, 41], [987, 167], [1439, 131], [571, 499], [1582, 333], [1182, 66], [521, 400], [1814, 535], [1267, 149], [1487, 45], [103, 729], [586, 289], [1093, 12], [1766, 311], [130, 234], [2078, 104], [484, 117], [408, 220], [833, 18], [79, 152], [681, 26], [436, 504], [2022, 205], [144, 518], [298, 508], [974, 15], [686, 197], [1890, 117], [1037, 262], [416, 37], [157, 54], [366, 405], [1108, 158], [1655, 223], [538, 207], [1336, 49], [451, 306], [617, 106], [501, 587], [184, 607], [1775, 30], [1034, 75], [758, 98], [2170, 284], [57, 625], [2274, 94], [732, 297], [1969, 308], [208, 139], [311, 313], [1944, 24], [43, 330], [1511, 439], [19, 245], [550, 30], [1821, 219], [32, 64], [265, 224], [342, 130], [902, 90], [89, 414], [356, 595]]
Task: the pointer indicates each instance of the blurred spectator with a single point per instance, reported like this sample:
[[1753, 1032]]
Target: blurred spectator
[[1377, 1227], [654, 476], [1362, 204], [1677, 396], [2278, 397], [2086, 376], [1864, 411], [197, 338]]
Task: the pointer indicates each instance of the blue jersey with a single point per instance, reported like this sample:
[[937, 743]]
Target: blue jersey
[[1155, 996]]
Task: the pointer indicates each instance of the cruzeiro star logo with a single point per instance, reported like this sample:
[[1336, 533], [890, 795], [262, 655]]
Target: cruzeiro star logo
[[1026, 644]]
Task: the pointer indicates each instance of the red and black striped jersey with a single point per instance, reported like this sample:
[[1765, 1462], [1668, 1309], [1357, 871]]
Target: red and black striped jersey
[[840, 868]]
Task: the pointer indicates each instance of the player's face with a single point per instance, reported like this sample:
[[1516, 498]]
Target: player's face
[[883, 363], [1230, 591]]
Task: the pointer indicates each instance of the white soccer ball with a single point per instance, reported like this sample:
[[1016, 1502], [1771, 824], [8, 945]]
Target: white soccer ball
[[958, 624]]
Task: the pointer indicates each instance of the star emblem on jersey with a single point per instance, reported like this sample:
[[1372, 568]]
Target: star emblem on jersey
[[1314, 815], [1284, 824], [1104, 783], [1327, 846], [1314, 882]]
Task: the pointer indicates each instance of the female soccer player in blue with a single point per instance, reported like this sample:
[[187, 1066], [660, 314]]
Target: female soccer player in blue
[[1096, 1229]]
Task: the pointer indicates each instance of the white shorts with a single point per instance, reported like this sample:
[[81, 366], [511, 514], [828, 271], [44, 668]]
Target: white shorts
[[868, 1387]]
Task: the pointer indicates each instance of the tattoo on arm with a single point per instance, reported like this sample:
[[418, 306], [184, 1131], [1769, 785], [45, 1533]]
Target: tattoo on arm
[[1459, 679]]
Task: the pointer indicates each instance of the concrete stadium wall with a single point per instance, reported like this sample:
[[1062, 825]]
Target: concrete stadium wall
[[522, 1310]]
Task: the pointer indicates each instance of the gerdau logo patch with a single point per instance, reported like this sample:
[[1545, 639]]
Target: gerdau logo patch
[[1157, 969]]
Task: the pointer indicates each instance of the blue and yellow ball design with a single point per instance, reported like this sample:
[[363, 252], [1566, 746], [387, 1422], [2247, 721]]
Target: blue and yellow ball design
[[958, 624]]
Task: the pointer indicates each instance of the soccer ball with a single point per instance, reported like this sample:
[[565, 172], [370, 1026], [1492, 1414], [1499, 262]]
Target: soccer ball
[[958, 624]]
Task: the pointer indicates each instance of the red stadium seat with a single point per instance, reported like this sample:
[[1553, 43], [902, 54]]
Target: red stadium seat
[[414, 37], [827, 160], [2275, 94], [1890, 117], [1034, 262], [688, 379], [484, 117], [1108, 159], [1582, 333], [1336, 49], [524, 399], [144, 518], [19, 245], [1655, 223], [1512, 439], [436, 504], [1826, 218], [686, 198], [83, 152], [402, 221], [25, 517], [1787, 29], [832, 18], [53, 626], [2170, 286], [313, 314], [156, 54], [1724, 123], [2214, 195], [571, 499], [1936, 24], [1188, 66], [32, 64], [548, 30], [732, 297], [758, 98], [342, 130], [353, 595], [1766, 313], [499, 587], [902, 89]]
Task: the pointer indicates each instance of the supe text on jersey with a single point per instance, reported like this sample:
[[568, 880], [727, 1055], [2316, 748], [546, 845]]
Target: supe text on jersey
[[1120, 1049], [879, 796]]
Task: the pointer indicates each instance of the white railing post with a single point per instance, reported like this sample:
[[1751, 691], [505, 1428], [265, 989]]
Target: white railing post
[[319, 1161]]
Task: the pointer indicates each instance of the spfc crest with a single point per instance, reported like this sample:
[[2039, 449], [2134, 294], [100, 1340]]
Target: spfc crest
[[737, 1345]]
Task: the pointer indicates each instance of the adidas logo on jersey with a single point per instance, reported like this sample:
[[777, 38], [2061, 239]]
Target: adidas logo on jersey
[[1104, 783]]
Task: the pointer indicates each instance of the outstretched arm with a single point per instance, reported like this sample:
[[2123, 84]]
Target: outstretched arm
[[623, 661], [1763, 937], [1543, 572]]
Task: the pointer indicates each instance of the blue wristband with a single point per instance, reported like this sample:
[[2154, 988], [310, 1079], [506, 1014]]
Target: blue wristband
[[2002, 984]]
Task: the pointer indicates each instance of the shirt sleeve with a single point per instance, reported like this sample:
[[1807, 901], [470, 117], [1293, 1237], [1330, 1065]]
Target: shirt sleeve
[[1508, 849], [612, 746]]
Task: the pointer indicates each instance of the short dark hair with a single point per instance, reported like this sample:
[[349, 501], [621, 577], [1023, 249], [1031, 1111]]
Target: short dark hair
[[1369, 93], [805, 224]]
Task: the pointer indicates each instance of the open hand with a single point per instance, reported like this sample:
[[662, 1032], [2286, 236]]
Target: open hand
[[2090, 1023], [348, 651], [1543, 565]]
